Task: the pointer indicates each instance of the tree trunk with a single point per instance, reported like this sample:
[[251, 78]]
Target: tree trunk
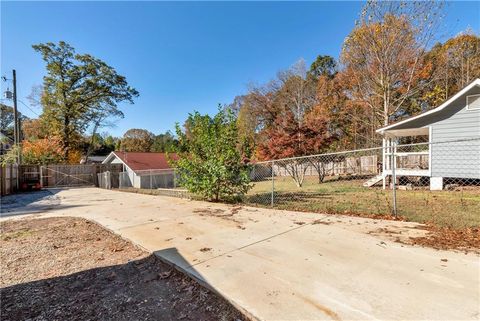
[[321, 173], [89, 150], [66, 138], [385, 109]]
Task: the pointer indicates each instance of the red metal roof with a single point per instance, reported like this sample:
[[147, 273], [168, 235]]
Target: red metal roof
[[145, 161]]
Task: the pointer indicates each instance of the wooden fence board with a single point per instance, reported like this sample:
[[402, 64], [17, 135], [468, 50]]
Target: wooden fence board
[[8, 179], [60, 175]]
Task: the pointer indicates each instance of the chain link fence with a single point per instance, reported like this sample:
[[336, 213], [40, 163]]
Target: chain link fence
[[291, 181], [429, 182], [437, 182], [149, 179], [154, 181]]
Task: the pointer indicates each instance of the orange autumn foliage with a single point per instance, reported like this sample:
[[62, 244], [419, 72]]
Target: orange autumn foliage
[[74, 157], [42, 151]]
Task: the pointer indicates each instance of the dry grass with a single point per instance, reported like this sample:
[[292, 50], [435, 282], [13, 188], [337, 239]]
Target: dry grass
[[453, 209]]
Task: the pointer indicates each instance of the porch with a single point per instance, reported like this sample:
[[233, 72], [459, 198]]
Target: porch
[[402, 159]]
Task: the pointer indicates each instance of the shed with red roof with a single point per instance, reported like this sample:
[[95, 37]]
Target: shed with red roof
[[144, 170]]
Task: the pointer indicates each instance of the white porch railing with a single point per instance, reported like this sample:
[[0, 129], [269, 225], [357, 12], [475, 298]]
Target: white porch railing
[[409, 160]]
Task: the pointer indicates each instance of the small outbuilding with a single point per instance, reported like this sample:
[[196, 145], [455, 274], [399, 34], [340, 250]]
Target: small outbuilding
[[144, 170], [452, 133]]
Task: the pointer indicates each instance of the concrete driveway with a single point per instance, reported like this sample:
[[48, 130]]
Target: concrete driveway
[[281, 265]]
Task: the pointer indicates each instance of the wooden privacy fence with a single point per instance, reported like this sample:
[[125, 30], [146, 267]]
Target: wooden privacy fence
[[8, 179], [74, 175], [64, 175], [108, 179]]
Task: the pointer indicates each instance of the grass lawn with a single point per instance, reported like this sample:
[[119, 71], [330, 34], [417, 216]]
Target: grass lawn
[[455, 209]]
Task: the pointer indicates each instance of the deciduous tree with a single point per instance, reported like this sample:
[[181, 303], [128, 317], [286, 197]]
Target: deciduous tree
[[289, 138], [384, 54], [454, 65], [34, 129], [79, 91], [7, 120], [325, 66], [137, 140], [212, 162], [38, 152], [164, 143]]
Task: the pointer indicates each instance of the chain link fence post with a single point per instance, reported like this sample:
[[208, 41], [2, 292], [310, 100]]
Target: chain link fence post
[[174, 179], [393, 147], [41, 176], [273, 184]]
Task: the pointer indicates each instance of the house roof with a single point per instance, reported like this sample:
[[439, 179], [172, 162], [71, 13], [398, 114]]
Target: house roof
[[95, 158], [447, 103], [137, 161]]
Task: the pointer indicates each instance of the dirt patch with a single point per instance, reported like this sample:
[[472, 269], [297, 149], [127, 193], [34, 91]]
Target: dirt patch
[[223, 214], [210, 211], [321, 222], [72, 269], [390, 233], [236, 209], [444, 238]]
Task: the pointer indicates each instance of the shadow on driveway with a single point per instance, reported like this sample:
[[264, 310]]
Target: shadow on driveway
[[31, 202]]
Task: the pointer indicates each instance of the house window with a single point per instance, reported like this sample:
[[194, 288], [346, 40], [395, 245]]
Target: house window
[[473, 102]]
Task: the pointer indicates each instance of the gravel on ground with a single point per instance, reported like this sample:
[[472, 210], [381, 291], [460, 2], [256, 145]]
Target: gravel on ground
[[73, 269]]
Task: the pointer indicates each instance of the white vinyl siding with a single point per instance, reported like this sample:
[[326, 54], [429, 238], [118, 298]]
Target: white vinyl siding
[[456, 160], [460, 159]]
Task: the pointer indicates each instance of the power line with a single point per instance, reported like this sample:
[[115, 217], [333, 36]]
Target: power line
[[29, 108], [3, 100]]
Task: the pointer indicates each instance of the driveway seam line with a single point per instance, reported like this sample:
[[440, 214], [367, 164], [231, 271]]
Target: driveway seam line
[[254, 243], [156, 221]]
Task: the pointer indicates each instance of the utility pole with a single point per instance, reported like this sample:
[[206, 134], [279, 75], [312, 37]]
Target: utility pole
[[16, 127]]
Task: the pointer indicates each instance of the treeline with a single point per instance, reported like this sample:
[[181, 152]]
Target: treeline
[[133, 140], [39, 146], [388, 70], [79, 98], [142, 140]]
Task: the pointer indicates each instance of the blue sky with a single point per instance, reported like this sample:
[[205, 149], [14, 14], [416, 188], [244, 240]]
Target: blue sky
[[184, 56]]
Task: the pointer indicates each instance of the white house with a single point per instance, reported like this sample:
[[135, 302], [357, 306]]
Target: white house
[[453, 134]]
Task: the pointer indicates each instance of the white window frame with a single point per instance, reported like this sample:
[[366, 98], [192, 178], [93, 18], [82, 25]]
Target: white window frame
[[468, 108]]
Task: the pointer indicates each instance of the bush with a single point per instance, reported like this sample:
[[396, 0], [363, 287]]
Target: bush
[[212, 163]]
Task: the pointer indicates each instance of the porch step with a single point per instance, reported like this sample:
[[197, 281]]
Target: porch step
[[372, 181]]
